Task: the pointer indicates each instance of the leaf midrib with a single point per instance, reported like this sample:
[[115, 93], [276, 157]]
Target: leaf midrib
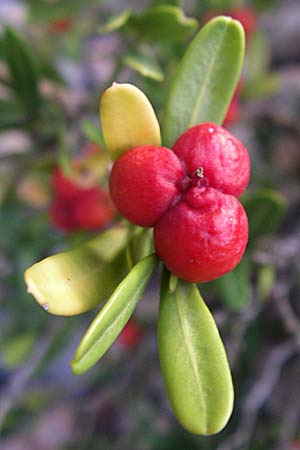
[[187, 339], [207, 76]]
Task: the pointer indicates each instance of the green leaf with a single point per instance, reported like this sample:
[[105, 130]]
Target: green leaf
[[10, 115], [117, 22], [23, 70], [234, 288], [258, 56], [266, 278], [266, 210], [73, 282], [92, 133], [16, 350], [193, 360], [144, 65], [262, 86], [112, 318], [163, 23], [206, 78]]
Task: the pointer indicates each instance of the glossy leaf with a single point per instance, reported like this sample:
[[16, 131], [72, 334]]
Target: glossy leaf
[[127, 119], [112, 318], [234, 288], [163, 23], [23, 70], [206, 78], [266, 210], [73, 282], [144, 65], [193, 360]]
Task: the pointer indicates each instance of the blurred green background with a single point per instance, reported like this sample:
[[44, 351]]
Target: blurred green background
[[56, 58]]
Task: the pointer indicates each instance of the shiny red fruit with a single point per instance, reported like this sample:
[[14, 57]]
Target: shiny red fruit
[[223, 158], [189, 196], [143, 183], [204, 236]]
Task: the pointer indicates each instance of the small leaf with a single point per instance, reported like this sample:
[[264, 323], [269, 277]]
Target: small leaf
[[10, 115], [128, 119], [73, 282], [115, 23], [92, 133], [144, 65], [23, 70], [258, 56], [262, 86], [193, 360], [163, 23], [112, 318], [234, 288], [206, 78], [265, 281], [266, 210]]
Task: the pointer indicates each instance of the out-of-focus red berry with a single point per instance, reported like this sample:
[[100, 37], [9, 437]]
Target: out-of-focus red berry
[[245, 15], [93, 209], [61, 25], [61, 214], [77, 207], [233, 113], [131, 335], [64, 187]]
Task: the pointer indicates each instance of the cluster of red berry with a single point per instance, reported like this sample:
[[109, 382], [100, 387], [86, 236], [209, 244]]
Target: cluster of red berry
[[189, 195], [77, 207]]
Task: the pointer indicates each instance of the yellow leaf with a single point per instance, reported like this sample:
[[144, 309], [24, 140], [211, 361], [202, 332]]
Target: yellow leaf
[[128, 119]]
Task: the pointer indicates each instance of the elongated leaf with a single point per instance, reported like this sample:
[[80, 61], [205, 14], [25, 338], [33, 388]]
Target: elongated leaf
[[23, 70], [206, 78], [112, 318], [193, 360], [115, 23], [163, 23], [144, 65], [234, 288], [266, 210], [73, 282], [128, 119]]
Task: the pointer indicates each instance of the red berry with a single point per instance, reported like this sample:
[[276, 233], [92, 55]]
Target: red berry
[[64, 187], [204, 236], [93, 209], [143, 183], [224, 159], [61, 214], [189, 196], [131, 335], [60, 25], [233, 113], [247, 17]]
